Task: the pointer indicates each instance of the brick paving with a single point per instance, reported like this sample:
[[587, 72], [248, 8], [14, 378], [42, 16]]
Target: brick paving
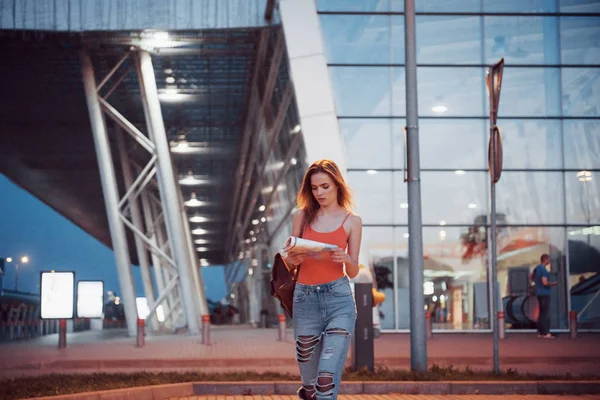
[[402, 397], [244, 348]]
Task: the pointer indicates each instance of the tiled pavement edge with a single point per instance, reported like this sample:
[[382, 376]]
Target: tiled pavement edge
[[350, 388]]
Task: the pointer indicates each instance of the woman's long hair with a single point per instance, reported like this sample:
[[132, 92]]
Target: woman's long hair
[[307, 202]]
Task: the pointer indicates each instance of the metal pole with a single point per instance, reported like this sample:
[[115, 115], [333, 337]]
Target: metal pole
[[111, 196], [16, 277], [418, 339], [493, 253], [168, 189], [136, 217]]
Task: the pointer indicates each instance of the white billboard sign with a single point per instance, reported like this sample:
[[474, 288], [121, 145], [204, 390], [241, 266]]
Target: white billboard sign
[[90, 299], [57, 295]]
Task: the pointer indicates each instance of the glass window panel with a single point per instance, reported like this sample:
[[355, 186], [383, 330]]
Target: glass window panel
[[398, 52], [581, 91], [367, 142], [363, 91], [448, 40], [448, 91], [583, 197], [448, 6], [356, 39], [377, 253], [356, 5], [372, 196], [400, 206], [519, 6], [530, 144], [521, 40], [580, 6], [579, 40], [531, 197], [519, 252], [584, 274], [453, 198], [398, 99], [397, 5], [466, 138], [529, 92], [455, 287], [582, 144], [402, 293], [398, 144]]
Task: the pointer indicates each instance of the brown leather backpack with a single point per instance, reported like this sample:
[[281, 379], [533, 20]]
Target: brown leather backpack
[[283, 283]]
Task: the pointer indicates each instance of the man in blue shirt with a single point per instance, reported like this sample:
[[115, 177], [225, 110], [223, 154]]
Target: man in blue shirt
[[540, 277]]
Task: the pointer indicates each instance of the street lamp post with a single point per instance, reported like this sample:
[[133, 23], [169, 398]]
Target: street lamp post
[[24, 260]]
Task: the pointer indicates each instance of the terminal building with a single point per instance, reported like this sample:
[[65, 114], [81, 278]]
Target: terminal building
[[177, 133]]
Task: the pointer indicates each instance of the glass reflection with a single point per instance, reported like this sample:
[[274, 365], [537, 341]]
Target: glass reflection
[[451, 91], [583, 197], [455, 197], [578, 36], [579, 6], [518, 6], [530, 92], [361, 91], [531, 197], [367, 143], [372, 195], [521, 40], [530, 144], [448, 6], [519, 252], [355, 39], [356, 5], [582, 144], [584, 274], [448, 39], [581, 91], [466, 138]]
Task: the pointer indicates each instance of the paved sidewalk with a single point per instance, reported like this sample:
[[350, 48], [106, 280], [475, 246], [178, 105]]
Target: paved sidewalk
[[403, 397], [244, 348]]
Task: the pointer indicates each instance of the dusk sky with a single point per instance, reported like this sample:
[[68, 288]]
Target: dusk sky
[[29, 227]]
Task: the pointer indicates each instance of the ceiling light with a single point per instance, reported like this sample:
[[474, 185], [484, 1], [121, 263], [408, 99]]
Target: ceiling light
[[201, 241], [472, 205], [442, 222], [295, 130], [253, 239], [584, 176], [198, 218], [460, 172], [293, 161], [203, 262], [190, 180], [439, 106], [199, 231], [180, 145], [403, 205], [263, 219], [202, 249], [194, 202], [252, 233], [250, 271], [254, 222], [262, 208], [371, 172], [247, 241], [443, 234], [170, 79], [406, 235]]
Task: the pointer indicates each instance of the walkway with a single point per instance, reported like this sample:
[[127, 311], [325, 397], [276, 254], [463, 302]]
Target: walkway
[[247, 349]]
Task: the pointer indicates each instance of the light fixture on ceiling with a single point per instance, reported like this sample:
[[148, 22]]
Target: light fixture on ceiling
[[584, 176], [460, 172], [199, 231], [198, 218], [442, 235], [439, 107], [170, 79], [181, 145], [151, 40], [472, 205], [201, 241], [204, 262], [406, 235], [262, 208], [263, 219], [442, 222], [194, 202], [202, 249], [403, 205], [293, 161], [295, 130], [191, 180], [371, 172], [254, 222]]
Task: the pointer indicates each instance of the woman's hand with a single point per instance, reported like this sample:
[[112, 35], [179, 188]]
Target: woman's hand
[[296, 258], [340, 256]]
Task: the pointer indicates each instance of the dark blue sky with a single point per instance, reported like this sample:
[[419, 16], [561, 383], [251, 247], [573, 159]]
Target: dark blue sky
[[29, 227]]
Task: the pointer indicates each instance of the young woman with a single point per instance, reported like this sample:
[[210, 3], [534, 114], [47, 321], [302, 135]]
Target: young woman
[[324, 309]]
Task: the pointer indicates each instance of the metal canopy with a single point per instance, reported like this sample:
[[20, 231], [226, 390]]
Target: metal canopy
[[46, 144]]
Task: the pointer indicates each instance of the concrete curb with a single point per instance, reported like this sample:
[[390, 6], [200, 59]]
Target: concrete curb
[[160, 392]]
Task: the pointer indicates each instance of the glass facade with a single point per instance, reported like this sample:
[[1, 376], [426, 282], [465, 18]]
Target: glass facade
[[548, 198]]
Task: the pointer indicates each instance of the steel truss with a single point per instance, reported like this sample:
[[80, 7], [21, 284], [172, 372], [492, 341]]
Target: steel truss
[[152, 204]]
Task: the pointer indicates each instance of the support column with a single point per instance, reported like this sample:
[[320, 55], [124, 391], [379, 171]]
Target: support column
[[111, 196], [156, 262], [136, 218], [168, 189]]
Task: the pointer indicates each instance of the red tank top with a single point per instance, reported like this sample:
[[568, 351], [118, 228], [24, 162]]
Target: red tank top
[[317, 271]]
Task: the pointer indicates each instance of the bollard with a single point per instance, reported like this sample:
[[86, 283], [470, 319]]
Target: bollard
[[573, 324], [428, 329], [501, 325], [282, 328], [62, 334], [363, 350], [206, 329], [141, 339]]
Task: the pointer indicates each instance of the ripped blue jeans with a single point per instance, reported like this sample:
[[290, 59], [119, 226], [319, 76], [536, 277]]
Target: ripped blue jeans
[[324, 318]]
